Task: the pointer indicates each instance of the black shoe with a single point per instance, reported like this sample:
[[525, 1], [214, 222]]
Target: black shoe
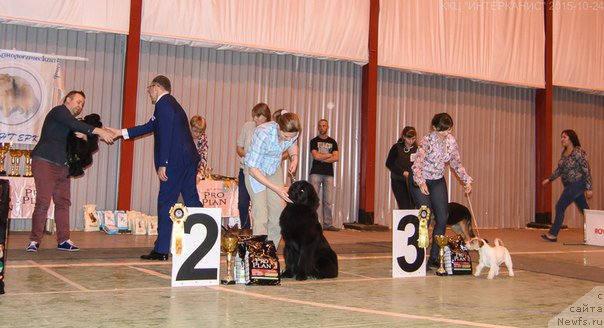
[[155, 256]]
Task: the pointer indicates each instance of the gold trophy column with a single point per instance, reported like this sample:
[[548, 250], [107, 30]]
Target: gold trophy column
[[229, 245], [3, 150], [441, 241]]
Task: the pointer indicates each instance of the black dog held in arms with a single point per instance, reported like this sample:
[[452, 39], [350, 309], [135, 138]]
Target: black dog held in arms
[[79, 151], [4, 207], [307, 253]]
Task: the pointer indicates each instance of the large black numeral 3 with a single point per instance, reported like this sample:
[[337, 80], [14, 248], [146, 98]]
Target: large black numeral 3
[[411, 241], [187, 270]]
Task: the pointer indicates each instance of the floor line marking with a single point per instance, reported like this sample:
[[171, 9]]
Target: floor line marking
[[86, 291], [64, 279], [364, 257], [59, 265], [151, 272], [557, 252], [355, 274], [359, 310]]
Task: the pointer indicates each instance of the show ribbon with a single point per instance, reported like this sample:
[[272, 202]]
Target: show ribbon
[[178, 214], [423, 216]]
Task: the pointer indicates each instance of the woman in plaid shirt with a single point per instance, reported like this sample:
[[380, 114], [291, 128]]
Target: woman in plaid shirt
[[263, 165], [576, 178]]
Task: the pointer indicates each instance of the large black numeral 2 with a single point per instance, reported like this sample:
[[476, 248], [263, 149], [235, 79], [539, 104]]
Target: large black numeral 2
[[187, 270], [411, 241]]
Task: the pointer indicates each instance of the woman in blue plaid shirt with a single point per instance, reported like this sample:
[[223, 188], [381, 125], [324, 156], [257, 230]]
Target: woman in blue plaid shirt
[[263, 164]]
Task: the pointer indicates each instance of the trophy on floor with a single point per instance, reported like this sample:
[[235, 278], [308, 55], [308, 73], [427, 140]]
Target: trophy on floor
[[3, 150], [441, 241], [229, 245], [28, 161], [15, 161]]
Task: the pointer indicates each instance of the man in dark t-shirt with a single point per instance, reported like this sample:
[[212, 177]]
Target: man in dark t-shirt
[[324, 151]]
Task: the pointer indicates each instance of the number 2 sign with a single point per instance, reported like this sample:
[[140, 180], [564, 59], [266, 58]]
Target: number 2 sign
[[196, 248], [407, 257]]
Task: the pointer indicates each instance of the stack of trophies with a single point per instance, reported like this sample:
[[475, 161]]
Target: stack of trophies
[[15, 161]]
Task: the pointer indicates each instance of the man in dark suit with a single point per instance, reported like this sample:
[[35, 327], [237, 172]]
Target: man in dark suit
[[176, 159]]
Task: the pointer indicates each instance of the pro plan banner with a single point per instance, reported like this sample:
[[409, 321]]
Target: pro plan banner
[[30, 85]]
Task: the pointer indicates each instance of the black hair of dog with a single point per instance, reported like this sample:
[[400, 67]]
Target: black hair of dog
[[460, 220], [307, 253], [79, 151]]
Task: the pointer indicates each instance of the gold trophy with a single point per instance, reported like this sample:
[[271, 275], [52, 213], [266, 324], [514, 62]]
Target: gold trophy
[[229, 245], [441, 241], [28, 161], [3, 150], [15, 160]]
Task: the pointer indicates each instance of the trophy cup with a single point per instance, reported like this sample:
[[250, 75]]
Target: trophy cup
[[28, 161], [3, 150], [15, 160], [229, 245], [441, 241]]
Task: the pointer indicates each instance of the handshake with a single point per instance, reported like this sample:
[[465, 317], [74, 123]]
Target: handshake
[[107, 134]]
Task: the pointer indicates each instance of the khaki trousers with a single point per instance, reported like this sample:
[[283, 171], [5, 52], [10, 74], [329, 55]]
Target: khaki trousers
[[266, 207]]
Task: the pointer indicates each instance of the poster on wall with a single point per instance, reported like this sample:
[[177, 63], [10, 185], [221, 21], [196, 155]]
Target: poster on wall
[[30, 85]]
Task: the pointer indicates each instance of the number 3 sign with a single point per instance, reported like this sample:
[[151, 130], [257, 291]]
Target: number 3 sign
[[195, 246], [407, 257]]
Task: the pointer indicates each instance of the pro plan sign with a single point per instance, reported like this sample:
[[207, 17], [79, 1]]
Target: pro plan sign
[[594, 227]]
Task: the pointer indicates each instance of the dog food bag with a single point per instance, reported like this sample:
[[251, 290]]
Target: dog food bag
[[121, 220], [448, 261], [262, 263], [240, 256], [109, 219], [138, 223], [151, 225], [91, 219], [461, 261]]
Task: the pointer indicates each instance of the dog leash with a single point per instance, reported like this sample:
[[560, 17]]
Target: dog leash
[[473, 218], [291, 177]]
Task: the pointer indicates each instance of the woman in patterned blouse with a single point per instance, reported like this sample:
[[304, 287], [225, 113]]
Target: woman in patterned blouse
[[198, 130], [430, 187], [576, 178]]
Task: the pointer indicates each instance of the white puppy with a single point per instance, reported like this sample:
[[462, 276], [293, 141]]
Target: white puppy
[[491, 257]]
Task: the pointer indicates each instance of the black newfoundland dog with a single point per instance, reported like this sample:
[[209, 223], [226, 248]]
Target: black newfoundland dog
[[307, 253]]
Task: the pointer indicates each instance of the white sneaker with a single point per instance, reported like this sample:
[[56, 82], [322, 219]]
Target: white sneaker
[[32, 247]]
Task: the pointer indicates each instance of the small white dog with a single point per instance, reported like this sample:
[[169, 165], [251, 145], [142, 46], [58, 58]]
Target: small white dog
[[491, 257]]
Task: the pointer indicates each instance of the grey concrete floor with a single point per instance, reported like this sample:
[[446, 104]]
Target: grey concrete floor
[[107, 285]]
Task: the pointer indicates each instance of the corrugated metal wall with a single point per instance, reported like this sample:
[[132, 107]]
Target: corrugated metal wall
[[223, 86], [101, 79], [583, 113], [494, 126]]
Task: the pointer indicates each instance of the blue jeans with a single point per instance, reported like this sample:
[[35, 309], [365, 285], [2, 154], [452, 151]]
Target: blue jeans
[[438, 202], [324, 187], [244, 202], [573, 192]]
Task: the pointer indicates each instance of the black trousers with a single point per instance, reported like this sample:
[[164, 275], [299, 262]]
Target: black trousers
[[402, 194], [4, 206]]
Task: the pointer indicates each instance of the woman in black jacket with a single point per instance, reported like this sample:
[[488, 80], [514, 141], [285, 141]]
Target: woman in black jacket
[[400, 159]]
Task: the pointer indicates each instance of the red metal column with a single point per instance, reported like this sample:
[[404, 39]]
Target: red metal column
[[129, 111], [543, 130], [368, 121]]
